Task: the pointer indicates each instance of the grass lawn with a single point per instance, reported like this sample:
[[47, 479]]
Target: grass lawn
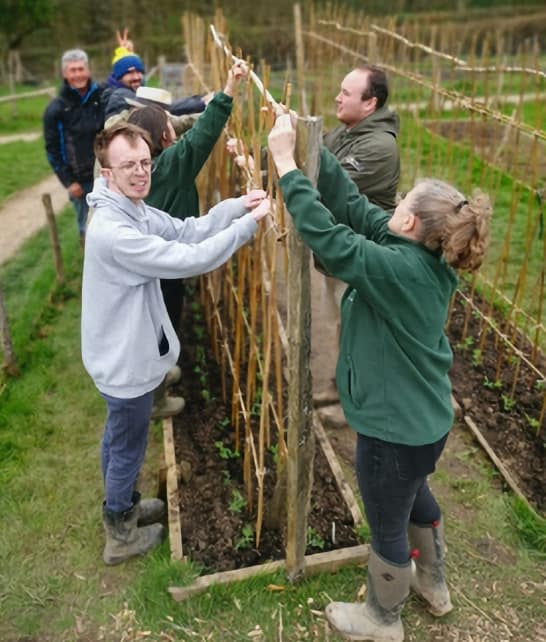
[[23, 116], [22, 164], [53, 584]]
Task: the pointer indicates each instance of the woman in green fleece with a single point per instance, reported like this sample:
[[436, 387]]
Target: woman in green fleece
[[176, 164], [394, 359]]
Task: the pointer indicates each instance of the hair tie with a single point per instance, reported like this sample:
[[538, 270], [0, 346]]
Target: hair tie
[[460, 205]]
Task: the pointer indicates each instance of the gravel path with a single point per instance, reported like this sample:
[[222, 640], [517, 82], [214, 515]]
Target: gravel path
[[28, 137], [23, 214]]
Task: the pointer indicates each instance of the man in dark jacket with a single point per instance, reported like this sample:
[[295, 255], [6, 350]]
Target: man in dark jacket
[[365, 142], [71, 121]]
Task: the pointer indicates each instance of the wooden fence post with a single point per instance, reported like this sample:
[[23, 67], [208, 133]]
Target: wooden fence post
[[300, 435], [9, 366], [54, 237], [300, 61]]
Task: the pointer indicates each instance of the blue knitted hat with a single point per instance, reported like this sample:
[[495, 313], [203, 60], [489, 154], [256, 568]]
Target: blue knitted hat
[[125, 64]]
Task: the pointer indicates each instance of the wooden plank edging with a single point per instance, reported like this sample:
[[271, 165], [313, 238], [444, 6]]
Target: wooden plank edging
[[497, 462], [173, 499], [317, 563], [335, 467]]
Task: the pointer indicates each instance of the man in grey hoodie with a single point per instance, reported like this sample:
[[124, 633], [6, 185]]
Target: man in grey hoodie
[[128, 341]]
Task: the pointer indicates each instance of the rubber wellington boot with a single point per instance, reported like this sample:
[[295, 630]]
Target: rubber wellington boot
[[173, 376], [150, 510], [427, 580], [378, 619], [167, 407], [164, 405], [123, 537]]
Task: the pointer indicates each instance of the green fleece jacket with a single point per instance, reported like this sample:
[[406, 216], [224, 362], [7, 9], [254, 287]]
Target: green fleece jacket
[[394, 358], [174, 171], [369, 154]]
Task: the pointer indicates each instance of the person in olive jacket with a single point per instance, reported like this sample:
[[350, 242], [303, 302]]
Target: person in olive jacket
[[71, 122], [394, 359], [365, 142]]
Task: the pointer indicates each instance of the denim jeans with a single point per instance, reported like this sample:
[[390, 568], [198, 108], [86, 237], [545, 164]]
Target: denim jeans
[[81, 207], [392, 495], [123, 447]]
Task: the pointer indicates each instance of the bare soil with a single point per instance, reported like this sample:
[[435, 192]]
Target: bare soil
[[503, 413], [215, 523]]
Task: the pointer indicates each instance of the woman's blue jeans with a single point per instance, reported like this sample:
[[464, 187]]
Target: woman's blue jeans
[[392, 496], [124, 447]]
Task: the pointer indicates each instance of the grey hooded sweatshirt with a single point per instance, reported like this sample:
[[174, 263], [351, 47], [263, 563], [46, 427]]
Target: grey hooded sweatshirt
[[128, 341]]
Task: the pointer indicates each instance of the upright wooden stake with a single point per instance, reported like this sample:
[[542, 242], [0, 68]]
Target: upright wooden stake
[[9, 366], [54, 237], [300, 61], [301, 442]]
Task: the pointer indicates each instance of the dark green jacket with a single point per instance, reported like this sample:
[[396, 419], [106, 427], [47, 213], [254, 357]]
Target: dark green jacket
[[369, 154], [394, 358], [174, 171]]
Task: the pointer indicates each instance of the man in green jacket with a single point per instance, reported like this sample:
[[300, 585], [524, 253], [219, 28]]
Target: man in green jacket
[[176, 164]]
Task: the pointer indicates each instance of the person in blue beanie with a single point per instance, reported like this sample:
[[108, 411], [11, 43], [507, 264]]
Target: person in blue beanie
[[128, 74], [127, 71]]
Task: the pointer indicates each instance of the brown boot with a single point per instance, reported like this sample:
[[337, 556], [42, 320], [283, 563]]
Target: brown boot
[[123, 537], [427, 578], [377, 619]]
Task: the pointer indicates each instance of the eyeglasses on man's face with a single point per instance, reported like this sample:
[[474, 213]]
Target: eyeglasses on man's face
[[131, 166]]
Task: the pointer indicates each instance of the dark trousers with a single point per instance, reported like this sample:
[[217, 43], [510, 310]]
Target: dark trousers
[[81, 207], [123, 448], [173, 295], [393, 495]]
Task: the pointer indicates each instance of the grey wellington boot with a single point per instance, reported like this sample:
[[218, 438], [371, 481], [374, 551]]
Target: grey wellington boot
[[164, 405], [150, 510], [378, 619], [427, 578], [123, 537], [173, 376]]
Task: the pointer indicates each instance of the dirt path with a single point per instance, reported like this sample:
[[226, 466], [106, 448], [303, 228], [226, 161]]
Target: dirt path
[[25, 136], [23, 214]]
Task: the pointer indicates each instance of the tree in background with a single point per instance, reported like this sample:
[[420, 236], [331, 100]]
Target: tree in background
[[18, 19]]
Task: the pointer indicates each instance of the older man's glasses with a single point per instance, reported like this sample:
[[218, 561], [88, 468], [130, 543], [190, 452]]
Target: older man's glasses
[[131, 166]]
